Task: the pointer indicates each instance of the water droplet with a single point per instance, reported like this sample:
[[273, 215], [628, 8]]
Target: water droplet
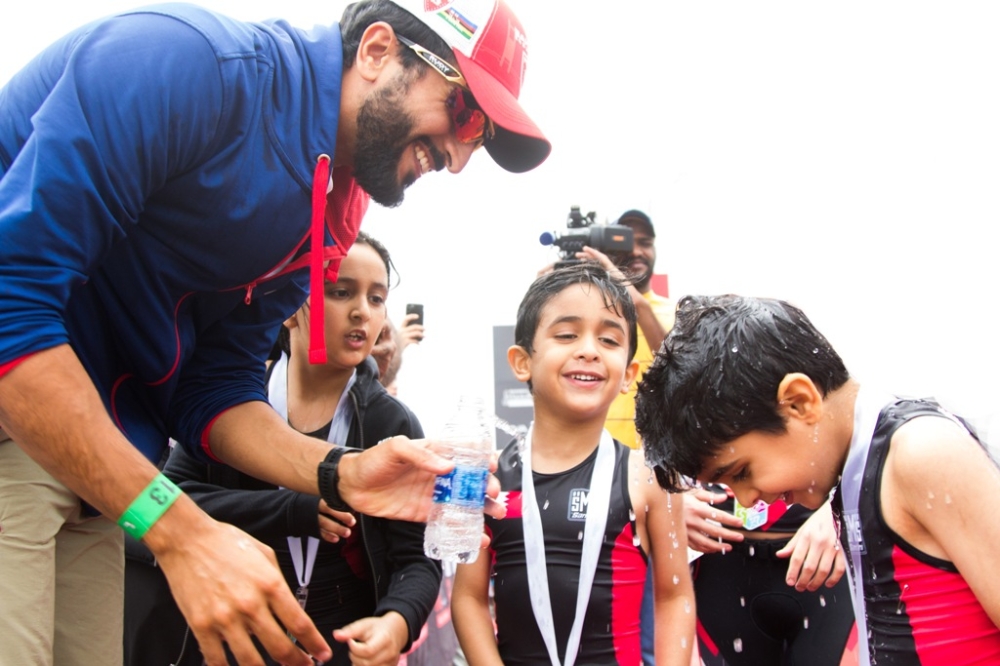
[[736, 349], [631, 515], [675, 544], [805, 623], [947, 498], [751, 550], [815, 350], [579, 536], [822, 600], [738, 645], [677, 579], [687, 606], [684, 643], [743, 602], [930, 494], [636, 541], [545, 506]]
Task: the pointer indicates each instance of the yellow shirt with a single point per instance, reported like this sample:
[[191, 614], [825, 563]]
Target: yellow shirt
[[621, 416]]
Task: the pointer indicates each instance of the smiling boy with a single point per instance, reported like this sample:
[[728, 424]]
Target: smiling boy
[[569, 561], [748, 393]]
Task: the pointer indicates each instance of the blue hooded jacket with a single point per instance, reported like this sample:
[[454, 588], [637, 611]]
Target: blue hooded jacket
[[155, 178]]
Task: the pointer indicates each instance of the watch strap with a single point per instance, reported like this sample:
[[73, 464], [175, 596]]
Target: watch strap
[[328, 477]]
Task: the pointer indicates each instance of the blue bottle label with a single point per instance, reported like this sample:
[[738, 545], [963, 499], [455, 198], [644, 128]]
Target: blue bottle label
[[463, 486]]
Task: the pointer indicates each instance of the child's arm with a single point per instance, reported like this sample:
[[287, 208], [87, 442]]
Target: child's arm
[[662, 530], [939, 492], [375, 641], [815, 557], [470, 612]]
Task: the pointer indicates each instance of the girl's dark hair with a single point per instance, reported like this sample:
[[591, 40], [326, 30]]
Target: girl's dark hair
[[716, 379], [284, 341]]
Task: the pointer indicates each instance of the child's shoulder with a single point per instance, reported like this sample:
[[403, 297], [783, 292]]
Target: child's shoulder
[[929, 444]]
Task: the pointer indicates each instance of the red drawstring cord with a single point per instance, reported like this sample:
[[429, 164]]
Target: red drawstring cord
[[317, 332]]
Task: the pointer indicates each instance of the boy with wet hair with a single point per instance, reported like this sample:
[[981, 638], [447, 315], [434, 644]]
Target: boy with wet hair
[[568, 563], [748, 393]]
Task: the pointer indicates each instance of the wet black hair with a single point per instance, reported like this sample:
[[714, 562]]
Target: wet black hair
[[284, 341], [716, 378], [359, 15], [547, 286]]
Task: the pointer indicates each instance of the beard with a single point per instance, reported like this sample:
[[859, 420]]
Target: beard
[[383, 135]]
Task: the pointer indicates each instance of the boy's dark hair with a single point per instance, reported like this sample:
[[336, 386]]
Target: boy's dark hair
[[284, 341], [544, 288], [359, 15], [716, 379]]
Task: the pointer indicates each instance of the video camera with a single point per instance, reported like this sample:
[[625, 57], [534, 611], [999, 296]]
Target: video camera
[[606, 238]]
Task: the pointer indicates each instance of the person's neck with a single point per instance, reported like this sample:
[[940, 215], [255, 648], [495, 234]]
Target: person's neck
[[313, 392], [838, 411], [559, 444]]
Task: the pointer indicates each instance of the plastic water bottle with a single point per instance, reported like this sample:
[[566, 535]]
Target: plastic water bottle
[[455, 526]]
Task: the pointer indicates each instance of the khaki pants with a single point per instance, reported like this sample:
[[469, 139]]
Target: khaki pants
[[61, 572]]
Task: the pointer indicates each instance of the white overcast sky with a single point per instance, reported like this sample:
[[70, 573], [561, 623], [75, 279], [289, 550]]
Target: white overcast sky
[[844, 156]]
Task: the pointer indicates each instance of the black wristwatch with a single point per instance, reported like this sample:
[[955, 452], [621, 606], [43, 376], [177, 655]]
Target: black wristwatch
[[328, 477]]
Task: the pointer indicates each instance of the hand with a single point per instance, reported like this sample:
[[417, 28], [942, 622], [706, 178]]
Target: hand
[[705, 523], [815, 556], [374, 641], [385, 348], [334, 525], [410, 332], [396, 480], [228, 586], [590, 254]]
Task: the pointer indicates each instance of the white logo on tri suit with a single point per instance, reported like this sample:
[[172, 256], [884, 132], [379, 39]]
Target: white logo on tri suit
[[578, 500]]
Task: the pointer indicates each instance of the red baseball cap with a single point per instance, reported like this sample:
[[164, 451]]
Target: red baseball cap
[[492, 51]]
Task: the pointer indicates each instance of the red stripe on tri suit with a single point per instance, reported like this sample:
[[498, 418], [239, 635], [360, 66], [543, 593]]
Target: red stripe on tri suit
[[949, 625], [628, 578]]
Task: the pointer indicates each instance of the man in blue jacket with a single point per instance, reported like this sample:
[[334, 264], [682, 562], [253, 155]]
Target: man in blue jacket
[[171, 183]]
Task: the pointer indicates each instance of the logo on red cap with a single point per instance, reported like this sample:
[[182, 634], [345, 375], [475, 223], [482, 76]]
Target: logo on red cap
[[435, 5]]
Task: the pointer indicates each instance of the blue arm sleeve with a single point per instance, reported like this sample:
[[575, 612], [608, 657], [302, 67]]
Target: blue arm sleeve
[[112, 116]]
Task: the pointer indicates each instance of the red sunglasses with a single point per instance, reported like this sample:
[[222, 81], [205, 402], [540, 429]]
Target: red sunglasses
[[472, 125]]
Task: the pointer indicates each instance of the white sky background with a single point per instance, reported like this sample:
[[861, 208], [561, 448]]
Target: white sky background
[[844, 156]]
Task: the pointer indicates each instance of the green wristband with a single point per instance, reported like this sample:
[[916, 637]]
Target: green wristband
[[147, 508]]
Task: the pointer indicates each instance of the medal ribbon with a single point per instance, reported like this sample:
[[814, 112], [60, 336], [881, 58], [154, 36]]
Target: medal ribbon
[[598, 499], [277, 393]]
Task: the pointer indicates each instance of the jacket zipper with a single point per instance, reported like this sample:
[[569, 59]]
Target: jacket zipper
[[361, 523]]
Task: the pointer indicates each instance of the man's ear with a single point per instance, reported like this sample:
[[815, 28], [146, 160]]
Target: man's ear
[[799, 398], [630, 372], [520, 363], [378, 46]]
